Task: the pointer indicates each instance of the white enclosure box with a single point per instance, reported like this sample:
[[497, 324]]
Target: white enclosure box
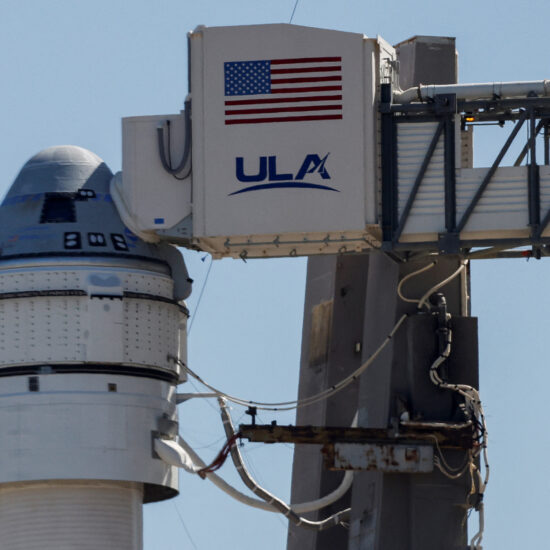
[[151, 197], [282, 119], [285, 132]]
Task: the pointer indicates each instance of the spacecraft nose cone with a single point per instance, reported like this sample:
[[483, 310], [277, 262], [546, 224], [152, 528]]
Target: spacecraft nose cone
[[63, 168], [60, 206], [59, 154]]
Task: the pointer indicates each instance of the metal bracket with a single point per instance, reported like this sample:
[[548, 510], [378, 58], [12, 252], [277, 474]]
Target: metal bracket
[[167, 426], [448, 435], [448, 243], [445, 104], [408, 448], [382, 457]]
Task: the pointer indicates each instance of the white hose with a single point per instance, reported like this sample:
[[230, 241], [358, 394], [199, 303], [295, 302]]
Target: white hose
[[422, 301], [296, 404], [327, 500], [173, 454], [473, 402], [475, 543], [435, 288], [335, 519], [410, 276], [181, 455]]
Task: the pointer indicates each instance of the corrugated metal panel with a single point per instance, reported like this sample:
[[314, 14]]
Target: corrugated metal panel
[[427, 211], [71, 515], [501, 212], [503, 205], [544, 174]]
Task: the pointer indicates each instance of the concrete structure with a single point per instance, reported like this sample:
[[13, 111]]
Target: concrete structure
[[351, 305]]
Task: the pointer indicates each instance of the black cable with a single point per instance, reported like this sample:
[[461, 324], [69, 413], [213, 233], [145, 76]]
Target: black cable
[[294, 11], [169, 139], [167, 164], [185, 527], [200, 297]]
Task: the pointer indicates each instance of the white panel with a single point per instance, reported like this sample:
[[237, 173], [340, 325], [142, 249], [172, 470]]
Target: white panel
[[67, 278], [53, 328], [428, 211], [544, 175], [502, 211], [77, 329], [502, 208], [379, 54], [148, 283], [40, 278], [103, 338], [182, 354], [151, 332], [104, 326], [155, 198], [41, 330], [69, 515], [227, 206], [84, 426]]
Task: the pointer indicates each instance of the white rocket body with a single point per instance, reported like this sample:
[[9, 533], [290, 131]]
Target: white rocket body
[[89, 316]]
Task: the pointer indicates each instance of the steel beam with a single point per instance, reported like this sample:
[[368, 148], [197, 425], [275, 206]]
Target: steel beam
[[533, 179], [389, 166], [449, 435]]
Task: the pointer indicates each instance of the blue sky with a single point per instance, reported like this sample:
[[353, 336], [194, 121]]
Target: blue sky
[[72, 69]]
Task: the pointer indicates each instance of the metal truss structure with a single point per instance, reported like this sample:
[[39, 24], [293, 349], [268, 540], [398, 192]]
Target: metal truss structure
[[443, 110]]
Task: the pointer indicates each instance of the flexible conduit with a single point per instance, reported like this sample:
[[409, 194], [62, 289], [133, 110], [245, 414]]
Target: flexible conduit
[[247, 479], [181, 455]]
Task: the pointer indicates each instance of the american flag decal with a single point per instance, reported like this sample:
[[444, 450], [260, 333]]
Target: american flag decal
[[283, 90]]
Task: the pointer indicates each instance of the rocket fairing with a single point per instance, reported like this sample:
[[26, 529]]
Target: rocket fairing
[[89, 316]]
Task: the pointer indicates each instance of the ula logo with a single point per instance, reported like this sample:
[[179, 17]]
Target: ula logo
[[267, 172]]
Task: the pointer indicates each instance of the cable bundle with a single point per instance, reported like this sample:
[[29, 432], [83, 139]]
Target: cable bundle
[[217, 463]]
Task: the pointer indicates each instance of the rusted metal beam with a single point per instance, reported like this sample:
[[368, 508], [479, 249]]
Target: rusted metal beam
[[389, 458], [447, 435]]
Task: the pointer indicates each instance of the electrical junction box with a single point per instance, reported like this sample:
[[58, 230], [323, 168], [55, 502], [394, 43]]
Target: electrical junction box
[[147, 196], [284, 146]]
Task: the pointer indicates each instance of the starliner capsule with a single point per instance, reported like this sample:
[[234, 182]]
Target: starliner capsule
[[90, 316]]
